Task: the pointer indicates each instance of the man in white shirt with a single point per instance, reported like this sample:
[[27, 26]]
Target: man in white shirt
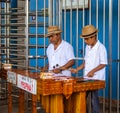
[[60, 53], [95, 61]]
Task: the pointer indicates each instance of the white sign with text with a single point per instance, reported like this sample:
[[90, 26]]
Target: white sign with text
[[26, 83]]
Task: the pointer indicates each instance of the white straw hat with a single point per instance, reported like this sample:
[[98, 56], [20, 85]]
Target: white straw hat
[[88, 31], [53, 30]]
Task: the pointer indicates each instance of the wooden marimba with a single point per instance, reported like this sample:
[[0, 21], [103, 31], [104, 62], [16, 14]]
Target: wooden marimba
[[56, 95]]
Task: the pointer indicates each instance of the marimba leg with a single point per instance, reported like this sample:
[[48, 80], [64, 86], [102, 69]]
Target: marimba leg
[[34, 102], [80, 102], [45, 100], [21, 101], [56, 104], [9, 98]]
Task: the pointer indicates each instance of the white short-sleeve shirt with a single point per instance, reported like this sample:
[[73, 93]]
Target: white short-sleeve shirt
[[93, 57], [60, 56]]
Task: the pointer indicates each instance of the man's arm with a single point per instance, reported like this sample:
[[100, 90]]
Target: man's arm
[[64, 67], [68, 65], [99, 67], [73, 70]]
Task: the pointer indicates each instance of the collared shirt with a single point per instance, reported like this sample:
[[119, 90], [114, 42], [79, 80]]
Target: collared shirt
[[60, 56], [93, 57]]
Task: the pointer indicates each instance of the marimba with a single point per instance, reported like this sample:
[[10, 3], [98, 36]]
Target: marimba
[[58, 95]]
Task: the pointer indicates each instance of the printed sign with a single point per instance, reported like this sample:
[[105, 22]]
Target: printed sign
[[27, 84], [11, 77], [75, 4]]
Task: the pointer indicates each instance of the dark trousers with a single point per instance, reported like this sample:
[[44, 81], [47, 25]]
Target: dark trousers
[[93, 102]]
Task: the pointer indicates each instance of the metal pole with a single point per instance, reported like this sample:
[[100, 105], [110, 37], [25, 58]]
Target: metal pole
[[83, 26], [65, 20], [8, 29], [36, 33], [60, 13], [71, 22], [26, 31], [83, 13], [53, 12], [77, 33], [104, 44], [97, 13], [90, 12], [57, 12], [50, 5], [110, 55], [118, 79], [44, 27]]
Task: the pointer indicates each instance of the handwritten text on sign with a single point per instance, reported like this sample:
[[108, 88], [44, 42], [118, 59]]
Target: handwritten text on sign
[[11, 77], [27, 84]]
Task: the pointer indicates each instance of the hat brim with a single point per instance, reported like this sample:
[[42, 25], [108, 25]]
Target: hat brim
[[90, 35], [52, 33]]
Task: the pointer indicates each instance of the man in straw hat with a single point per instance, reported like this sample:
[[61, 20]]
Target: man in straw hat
[[60, 53], [95, 61]]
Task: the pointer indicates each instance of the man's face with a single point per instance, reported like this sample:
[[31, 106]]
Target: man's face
[[54, 39]]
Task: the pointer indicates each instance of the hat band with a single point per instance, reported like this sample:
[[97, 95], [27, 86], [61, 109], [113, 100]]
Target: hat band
[[53, 31], [89, 34]]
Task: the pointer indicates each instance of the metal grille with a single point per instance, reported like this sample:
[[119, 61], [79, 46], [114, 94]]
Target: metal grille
[[71, 16]]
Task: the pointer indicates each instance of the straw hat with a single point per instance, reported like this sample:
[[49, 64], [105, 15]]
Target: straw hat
[[53, 30], [88, 31]]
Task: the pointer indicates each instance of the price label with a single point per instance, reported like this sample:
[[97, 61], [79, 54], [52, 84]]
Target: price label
[[27, 84], [11, 77]]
